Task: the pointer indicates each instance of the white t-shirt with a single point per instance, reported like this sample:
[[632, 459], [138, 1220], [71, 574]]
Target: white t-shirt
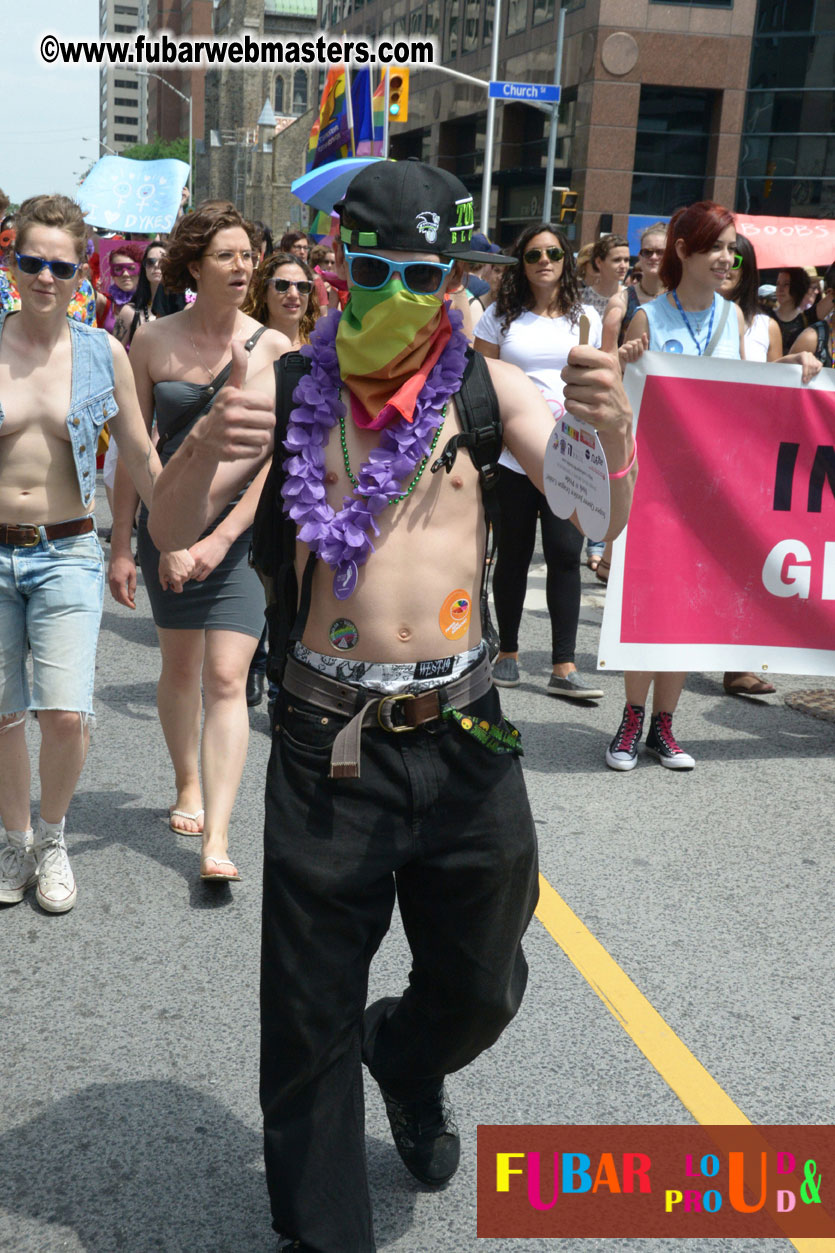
[[756, 338], [539, 346]]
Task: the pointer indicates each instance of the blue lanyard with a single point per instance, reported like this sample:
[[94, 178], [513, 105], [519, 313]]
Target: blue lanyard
[[699, 348]]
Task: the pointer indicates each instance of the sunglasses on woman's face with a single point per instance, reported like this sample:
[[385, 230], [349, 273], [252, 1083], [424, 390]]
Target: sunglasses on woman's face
[[535, 254], [652, 252], [304, 287], [120, 268], [33, 265], [151, 263]]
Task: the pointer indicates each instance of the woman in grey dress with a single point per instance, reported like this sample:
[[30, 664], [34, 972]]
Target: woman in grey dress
[[208, 605]]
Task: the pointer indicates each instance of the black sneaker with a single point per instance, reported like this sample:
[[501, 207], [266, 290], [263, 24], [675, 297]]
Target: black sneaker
[[662, 744], [622, 753], [425, 1136]]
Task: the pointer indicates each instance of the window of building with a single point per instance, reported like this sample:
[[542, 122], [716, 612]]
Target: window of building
[[125, 82], [517, 16], [543, 11], [278, 99], [472, 12], [125, 30], [451, 41], [124, 139], [433, 21], [674, 128], [125, 10], [129, 121], [699, 4], [416, 22], [489, 19], [299, 92], [787, 151], [132, 104]]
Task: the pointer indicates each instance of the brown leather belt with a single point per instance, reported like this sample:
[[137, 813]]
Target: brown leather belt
[[400, 712], [28, 535]]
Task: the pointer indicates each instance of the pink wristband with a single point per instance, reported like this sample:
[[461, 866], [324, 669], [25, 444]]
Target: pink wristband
[[621, 474]]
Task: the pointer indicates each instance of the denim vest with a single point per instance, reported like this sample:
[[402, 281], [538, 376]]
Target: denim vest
[[91, 402]]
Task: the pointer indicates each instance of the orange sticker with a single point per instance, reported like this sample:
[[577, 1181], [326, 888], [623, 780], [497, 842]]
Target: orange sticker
[[454, 617]]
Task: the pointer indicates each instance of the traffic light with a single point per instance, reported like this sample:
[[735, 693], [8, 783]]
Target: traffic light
[[568, 207], [398, 95]]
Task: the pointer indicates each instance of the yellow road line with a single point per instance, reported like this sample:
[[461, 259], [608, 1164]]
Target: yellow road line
[[693, 1085]]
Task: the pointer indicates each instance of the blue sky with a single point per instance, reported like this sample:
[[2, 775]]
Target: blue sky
[[47, 110]]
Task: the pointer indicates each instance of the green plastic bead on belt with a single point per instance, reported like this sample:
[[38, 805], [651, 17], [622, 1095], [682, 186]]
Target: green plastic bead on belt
[[503, 739]]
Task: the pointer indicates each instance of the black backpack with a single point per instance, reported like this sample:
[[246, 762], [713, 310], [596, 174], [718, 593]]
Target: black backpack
[[273, 549]]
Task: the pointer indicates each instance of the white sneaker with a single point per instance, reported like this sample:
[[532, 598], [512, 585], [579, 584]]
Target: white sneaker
[[17, 866], [56, 890]]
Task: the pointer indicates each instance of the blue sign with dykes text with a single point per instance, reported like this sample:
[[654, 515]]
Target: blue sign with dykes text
[[121, 194], [543, 93]]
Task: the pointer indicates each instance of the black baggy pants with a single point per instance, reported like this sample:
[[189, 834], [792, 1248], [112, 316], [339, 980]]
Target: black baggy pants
[[446, 824]]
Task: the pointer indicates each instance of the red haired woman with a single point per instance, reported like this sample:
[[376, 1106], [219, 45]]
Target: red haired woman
[[691, 318]]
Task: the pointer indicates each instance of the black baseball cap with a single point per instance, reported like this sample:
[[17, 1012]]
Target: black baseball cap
[[410, 207]]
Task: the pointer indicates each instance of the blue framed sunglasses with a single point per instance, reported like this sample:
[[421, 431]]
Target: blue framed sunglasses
[[421, 278], [34, 265]]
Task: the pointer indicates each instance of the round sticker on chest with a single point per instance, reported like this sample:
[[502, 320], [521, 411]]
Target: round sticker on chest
[[454, 617]]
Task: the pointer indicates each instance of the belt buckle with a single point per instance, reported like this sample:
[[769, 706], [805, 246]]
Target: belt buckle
[[387, 725], [27, 543]]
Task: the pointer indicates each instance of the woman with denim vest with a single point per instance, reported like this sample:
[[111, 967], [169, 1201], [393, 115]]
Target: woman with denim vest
[[60, 381]]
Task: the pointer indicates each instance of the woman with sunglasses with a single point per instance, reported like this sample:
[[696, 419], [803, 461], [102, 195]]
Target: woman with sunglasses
[[60, 380], [282, 297], [120, 272], [140, 308], [208, 604], [534, 323]]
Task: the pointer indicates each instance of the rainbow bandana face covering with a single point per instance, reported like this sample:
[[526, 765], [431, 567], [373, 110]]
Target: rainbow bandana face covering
[[387, 342], [390, 338]]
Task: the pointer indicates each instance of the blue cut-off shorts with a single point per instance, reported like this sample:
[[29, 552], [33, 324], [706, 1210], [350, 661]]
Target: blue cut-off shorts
[[51, 595]]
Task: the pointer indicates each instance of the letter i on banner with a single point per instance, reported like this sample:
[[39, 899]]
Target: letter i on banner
[[575, 471]]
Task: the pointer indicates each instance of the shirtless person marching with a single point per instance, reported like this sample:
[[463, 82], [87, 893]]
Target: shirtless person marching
[[355, 811], [60, 382]]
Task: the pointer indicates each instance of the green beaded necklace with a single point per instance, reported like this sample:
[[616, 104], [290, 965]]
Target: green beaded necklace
[[396, 500]]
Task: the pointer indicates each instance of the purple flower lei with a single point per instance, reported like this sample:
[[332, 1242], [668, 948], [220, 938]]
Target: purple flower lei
[[343, 539]]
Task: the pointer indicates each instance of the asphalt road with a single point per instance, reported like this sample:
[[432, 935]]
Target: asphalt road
[[129, 1118]]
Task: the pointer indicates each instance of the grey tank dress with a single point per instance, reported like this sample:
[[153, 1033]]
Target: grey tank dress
[[232, 597]]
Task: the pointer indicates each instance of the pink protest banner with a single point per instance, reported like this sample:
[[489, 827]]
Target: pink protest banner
[[789, 241], [728, 559]]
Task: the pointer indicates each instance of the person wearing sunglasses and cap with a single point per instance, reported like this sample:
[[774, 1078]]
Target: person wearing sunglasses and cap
[[389, 559], [534, 324], [60, 381]]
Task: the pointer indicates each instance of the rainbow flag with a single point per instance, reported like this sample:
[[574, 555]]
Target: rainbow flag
[[330, 134], [368, 114], [323, 226]]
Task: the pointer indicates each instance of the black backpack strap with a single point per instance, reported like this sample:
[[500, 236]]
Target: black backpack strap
[[273, 535], [481, 433]]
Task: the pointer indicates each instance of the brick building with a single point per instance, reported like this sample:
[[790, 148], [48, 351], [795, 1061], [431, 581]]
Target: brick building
[[656, 100]]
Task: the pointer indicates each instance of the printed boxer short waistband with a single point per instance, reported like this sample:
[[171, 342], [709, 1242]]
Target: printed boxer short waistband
[[390, 677]]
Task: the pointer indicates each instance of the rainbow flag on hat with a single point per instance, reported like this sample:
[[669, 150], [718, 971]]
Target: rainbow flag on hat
[[330, 134]]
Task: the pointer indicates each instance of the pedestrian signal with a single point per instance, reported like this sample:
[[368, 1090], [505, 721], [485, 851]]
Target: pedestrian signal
[[568, 207], [399, 95]]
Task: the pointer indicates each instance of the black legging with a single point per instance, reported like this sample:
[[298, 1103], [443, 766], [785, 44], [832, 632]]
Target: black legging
[[520, 504]]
